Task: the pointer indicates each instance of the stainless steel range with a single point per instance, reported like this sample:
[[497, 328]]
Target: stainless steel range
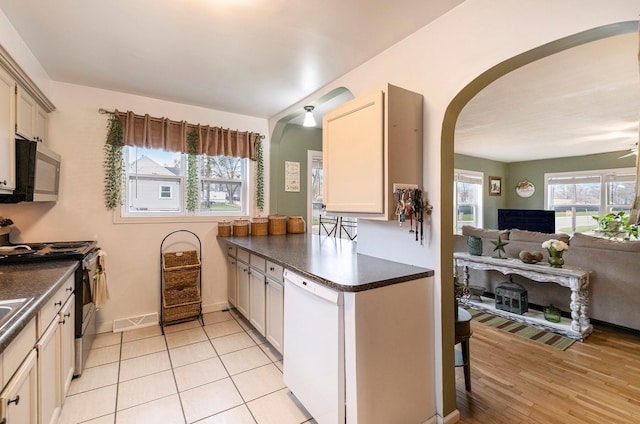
[[86, 252]]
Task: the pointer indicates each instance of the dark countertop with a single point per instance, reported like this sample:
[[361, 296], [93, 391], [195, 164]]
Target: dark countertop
[[330, 261], [38, 280]]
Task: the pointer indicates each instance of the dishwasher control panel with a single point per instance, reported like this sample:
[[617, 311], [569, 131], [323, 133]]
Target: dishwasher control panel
[[313, 287]]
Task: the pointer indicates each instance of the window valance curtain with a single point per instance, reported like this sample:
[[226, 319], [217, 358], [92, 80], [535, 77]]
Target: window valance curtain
[[163, 133]]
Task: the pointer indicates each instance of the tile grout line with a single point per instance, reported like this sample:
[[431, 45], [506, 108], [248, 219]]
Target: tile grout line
[[246, 328]]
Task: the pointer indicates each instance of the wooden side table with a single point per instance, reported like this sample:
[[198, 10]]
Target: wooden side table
[[463, 334]]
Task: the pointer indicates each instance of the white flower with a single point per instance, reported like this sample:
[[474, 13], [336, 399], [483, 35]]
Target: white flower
[[556, 245]]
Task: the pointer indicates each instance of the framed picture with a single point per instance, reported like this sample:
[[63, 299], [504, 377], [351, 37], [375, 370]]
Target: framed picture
[[292, 176], [495, 186]]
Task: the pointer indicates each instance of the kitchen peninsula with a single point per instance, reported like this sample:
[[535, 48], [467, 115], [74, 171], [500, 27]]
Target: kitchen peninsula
[[358, 330]]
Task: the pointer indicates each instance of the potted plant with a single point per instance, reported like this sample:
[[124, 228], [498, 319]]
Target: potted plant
[[616, 224]]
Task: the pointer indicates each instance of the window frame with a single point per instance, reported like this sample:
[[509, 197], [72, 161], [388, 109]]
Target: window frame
[[170, 192], [247, 182], [605, 176], [474, 177]]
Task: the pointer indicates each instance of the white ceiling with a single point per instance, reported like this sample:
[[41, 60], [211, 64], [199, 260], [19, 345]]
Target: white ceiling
[[253, 57], [581, 101], [258, 57]]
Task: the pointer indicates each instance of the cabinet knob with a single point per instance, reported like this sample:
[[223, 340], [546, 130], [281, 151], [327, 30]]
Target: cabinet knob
[[271, 268], [4, 182], [67, 315], [69, 288], [16, 400], [59, 303]]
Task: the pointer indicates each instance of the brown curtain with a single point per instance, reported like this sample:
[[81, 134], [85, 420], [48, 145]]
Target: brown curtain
[[163, 133]]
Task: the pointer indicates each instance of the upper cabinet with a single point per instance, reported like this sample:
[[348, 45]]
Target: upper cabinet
[[31, 118], [23, 111], [7, 132], [368, 145]]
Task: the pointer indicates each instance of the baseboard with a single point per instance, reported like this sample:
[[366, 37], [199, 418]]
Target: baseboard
[[432, 420], [215, 307], [452, 418], [132, 323], [147, 320]]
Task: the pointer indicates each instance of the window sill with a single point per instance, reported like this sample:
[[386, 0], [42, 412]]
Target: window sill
[[119, 219]]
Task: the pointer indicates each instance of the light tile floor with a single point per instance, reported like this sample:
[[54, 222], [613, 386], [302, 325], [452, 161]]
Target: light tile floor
[[220, 372]]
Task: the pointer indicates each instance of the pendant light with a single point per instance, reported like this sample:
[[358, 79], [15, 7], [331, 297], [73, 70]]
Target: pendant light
[[309, 120]]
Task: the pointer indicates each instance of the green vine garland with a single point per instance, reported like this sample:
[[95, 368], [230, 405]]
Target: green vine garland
[[113, 164], [259, 177], [192, 171]]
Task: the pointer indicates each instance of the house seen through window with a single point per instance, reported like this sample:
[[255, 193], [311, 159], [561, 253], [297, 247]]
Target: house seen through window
[[155, 184], [578, 196]]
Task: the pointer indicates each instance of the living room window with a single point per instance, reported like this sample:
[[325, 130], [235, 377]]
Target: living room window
[[467, 195], [577, 196], [222, 184]]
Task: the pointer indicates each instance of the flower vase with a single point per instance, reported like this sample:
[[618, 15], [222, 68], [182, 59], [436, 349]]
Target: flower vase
[[555, 258], [474, 245]]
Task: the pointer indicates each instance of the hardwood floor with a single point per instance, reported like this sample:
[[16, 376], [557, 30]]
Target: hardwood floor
[[516, 381]]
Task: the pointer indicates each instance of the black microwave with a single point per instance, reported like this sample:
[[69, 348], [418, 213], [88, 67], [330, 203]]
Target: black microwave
[[37, 173]]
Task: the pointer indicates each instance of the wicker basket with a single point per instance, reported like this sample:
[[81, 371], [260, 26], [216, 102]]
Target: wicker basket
[[181, 303], [240, 228], [295, 225], [180, 268], [259, 227], [277, 225], [224, 229]]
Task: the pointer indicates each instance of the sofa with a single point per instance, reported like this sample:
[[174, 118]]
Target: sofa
[[614, 282]]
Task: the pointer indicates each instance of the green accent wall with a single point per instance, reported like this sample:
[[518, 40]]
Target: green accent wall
[[513, 173], [293, 144]]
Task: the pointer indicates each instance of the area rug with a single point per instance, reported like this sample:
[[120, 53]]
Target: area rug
[[548, 338]]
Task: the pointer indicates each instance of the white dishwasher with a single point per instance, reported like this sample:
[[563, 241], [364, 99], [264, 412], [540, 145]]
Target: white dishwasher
[[314, 347]]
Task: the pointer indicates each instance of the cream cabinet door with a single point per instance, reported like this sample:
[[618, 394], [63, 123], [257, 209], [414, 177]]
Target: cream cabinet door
[[7, 132], [275, 314], [243, 289], [26, 110], [232, 282], [257, 307], [49, 395], [353, 150], [40, 124], [19, 399], [67, 345]]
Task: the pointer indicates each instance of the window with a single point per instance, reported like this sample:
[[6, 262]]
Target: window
[[166, 192], [577, 196], [467, 196], [155, 184]]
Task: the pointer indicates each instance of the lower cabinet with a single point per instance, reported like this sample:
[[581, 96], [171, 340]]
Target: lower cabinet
[[275, 314], [255, 287], [257, 312], [19, 399], [244, 300], [232, 282], [67, 346], [49, 374]]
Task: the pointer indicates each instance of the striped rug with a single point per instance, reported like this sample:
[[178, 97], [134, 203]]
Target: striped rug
[[548, 338]]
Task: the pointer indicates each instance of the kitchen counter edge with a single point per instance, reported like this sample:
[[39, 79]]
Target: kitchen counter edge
[[44, 280], [300, 253]]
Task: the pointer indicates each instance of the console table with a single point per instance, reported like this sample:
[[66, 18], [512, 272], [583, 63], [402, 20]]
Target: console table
[[574, 278]]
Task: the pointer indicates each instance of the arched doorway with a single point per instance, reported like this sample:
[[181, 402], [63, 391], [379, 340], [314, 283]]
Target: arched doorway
[[448, 136]]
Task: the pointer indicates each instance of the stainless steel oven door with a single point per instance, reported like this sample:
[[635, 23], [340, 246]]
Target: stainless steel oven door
[[84, 294]]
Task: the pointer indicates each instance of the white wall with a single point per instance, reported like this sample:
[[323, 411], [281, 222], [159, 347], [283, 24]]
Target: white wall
[[77, 131], [439, 61]]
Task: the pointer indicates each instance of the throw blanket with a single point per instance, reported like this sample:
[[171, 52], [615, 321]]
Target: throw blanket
[[101, 293]]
